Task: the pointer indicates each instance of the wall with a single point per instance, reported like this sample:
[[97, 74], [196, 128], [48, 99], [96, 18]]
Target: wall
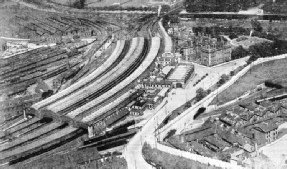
[[194, 157], [186, 117]]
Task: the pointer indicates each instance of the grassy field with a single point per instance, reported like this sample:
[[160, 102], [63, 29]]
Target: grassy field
[[248, 41], [273, 70]]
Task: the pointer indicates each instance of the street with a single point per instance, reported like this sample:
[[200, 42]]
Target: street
[[133, 150]]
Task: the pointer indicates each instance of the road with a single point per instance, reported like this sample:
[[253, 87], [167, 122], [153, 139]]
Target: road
[[276, 151], [133, 150]]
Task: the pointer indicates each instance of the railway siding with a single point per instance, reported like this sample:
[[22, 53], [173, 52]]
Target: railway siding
[[22, 125], [39, 143], [97, 85], [83, 82], [32, 135]]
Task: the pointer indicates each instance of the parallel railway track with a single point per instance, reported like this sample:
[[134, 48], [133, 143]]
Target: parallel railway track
[[118, 54], [108, 86]]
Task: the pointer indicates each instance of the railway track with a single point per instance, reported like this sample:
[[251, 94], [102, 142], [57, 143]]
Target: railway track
[[149, 58], [103, 84], [113, 60], [100, 98]]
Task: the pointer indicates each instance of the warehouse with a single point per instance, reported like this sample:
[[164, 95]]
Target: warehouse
[[180, 75]]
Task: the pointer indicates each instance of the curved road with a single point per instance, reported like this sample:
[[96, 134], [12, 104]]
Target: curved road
[[133, 150]]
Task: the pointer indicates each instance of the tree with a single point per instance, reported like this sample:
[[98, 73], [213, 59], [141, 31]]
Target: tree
[[200, 94], [256, 25], [238, 53], [80, 4], [222, 79], [252, 58], [233, 36], [254, 50], [224, 157], [170, 133]]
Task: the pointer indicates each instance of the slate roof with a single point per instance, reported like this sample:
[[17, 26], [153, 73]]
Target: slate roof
[[199, 148], [200, 135], [265, 127]]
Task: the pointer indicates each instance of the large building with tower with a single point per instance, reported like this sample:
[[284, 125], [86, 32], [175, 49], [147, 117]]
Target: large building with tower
[[215, 54], [208, 51]]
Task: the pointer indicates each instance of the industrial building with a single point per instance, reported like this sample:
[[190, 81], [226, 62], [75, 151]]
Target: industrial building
[[180, 75]]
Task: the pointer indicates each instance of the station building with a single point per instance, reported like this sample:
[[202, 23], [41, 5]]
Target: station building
[[180, 75]]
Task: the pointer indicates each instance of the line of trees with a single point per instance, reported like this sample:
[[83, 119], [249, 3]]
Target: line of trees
[[260, 50], [279, 6], [267, 49], [232, 31], [220, 5]]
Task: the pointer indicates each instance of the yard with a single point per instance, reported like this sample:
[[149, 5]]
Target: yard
[[276, 152], [273, 70]]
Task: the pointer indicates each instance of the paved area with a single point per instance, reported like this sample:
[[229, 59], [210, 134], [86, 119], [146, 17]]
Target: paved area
[[133, 151]]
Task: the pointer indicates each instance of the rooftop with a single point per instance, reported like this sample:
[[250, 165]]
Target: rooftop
[[180, 72], [265, 127], [163, 91], [216, 141], [199, 148], [200, 134], [156, 82], [140, 103]]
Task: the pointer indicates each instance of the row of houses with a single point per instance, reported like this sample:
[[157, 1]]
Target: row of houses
[[237, 133]]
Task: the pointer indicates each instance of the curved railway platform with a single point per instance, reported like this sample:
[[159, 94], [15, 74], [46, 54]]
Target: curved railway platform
[[155, 45], [101, 85], [112, 90], [87, 80]]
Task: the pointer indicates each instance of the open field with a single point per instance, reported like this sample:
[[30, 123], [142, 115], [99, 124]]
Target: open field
[[246, 41], [273, 70]]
